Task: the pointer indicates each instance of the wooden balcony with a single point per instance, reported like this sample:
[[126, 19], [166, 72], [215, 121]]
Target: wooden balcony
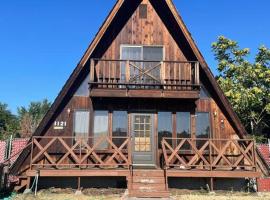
[[137, 78]]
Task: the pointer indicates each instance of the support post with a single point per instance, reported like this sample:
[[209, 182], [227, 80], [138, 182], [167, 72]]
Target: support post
[[28, 182], [79, 183], [211, 184]]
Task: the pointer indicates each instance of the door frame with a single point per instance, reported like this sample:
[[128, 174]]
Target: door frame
[[152, 137]]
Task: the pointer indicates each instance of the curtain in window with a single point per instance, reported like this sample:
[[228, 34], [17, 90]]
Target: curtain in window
[[101, 127]]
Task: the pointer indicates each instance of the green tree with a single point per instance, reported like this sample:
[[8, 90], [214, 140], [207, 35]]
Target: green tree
[[31, 116], [9, 124], [245, 83]]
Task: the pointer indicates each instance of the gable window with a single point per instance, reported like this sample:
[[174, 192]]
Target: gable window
[[119, 127], [81, 124], [83, 90], [101, 127], [164, 127], [204, 94], [143, 11]]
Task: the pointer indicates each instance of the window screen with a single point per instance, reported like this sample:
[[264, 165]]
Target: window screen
[[164, 127], [81, 124], [101, 127]]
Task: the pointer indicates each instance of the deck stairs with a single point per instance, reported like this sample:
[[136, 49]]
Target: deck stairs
[[148, 184]]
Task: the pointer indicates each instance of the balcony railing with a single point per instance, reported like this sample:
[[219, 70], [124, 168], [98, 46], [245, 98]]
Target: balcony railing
[[209, 154], [142, 74]]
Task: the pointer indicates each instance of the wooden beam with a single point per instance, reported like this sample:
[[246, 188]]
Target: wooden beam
[[78, 173], [215, 174]]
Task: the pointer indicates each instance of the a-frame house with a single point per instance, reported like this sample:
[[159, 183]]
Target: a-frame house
[[141, 104]]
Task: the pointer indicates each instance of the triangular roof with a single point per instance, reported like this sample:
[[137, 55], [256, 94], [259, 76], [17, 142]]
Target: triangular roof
[[121, 12]]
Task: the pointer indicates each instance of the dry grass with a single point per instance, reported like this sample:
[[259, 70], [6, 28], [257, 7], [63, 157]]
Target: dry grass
[[116, 194]]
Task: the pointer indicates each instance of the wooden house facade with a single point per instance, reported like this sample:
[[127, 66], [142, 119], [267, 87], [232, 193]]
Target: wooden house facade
[[141, 104]]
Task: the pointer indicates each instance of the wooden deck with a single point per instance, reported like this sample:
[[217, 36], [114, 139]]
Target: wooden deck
[[183, 157]]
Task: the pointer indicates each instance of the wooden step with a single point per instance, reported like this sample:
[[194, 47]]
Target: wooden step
[[148, 184], [148, 173], [150, 180], [148, 187]]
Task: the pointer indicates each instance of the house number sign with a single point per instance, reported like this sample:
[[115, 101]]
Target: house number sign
[[59, 125]]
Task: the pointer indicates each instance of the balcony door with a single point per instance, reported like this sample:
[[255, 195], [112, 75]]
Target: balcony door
[[143, 139], [143, 72]]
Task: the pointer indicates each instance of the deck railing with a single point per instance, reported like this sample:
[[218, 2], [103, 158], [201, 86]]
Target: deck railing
[[209, 154], [59, 152], [142, 74]]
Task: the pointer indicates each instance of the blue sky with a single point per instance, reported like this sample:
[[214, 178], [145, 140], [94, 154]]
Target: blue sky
[[41, 41]]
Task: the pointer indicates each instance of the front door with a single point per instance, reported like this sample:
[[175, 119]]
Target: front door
[[143, 139]]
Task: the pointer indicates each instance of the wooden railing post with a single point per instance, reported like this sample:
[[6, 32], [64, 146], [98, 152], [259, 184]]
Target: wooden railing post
[[197, 75], [162, 72], [92, 70], [32, 148], [127, 71]]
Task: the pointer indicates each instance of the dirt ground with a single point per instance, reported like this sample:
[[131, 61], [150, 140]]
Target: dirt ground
[[117, 194]]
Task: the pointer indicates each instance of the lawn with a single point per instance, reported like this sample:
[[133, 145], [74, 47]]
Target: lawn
[[115, 194]]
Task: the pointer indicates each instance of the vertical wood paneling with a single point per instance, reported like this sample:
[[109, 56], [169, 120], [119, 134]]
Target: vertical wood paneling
[[149, 31]]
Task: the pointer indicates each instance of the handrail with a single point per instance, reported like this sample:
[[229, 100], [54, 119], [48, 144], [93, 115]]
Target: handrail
[[133, 60]]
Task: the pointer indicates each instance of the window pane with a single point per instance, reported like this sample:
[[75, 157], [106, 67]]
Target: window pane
[[81, 124], [153, 53], [83, 90], [183, 128], [101, 127], [204, 93], [202, 127], [183, 124], [164, 127], [120, 124]]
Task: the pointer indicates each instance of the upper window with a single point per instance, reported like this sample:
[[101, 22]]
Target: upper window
[[143, 11], [204, 94], [81, 124], [83, 90], [101, 127], [164, 127], [152, 53], [146, 53]]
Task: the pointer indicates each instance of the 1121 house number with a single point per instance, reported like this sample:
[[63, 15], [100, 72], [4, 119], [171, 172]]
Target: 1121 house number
[[59, 124]]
